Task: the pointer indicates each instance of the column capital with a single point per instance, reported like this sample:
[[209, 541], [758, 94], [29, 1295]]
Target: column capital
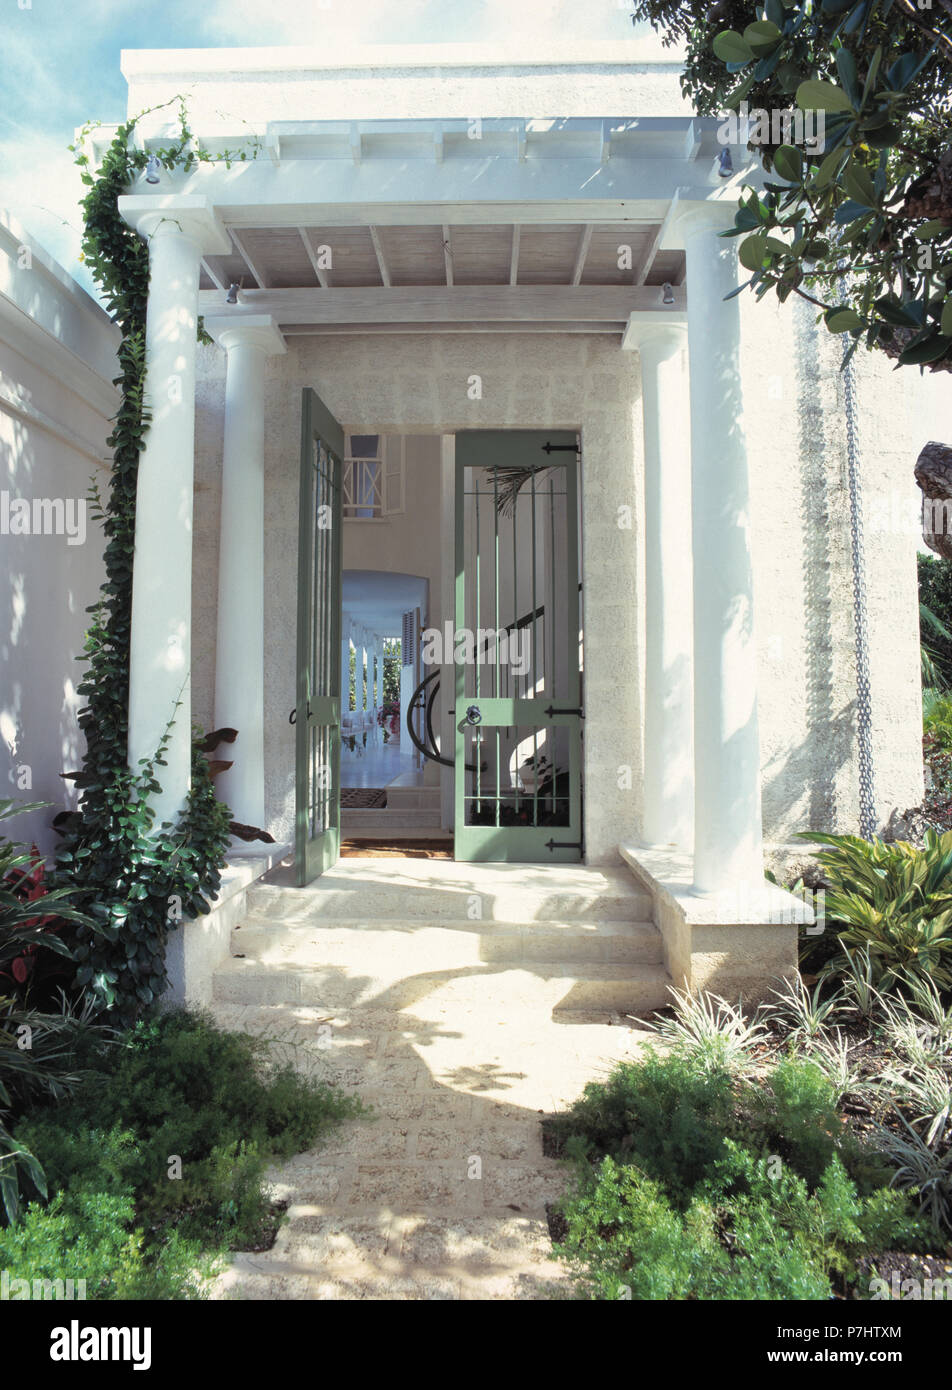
[[246, 330], [648, 326], [689, 218], [189, 215]]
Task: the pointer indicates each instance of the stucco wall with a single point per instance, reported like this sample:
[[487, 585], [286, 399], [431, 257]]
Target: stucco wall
[[57, 358], [797, 440]]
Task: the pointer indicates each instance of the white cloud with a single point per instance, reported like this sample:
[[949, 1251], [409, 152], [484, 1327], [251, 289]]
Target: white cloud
[[279, 22], [274, 22], [42, 188]]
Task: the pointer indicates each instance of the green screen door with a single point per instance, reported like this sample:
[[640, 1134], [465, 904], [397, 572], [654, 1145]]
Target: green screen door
[[518, 707], [318, 699]]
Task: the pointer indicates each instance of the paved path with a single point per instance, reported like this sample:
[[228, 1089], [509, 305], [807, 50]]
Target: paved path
[[443, 1194], [460, 1033]]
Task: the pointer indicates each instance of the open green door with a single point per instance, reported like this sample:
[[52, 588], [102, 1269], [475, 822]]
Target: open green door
[[317, 711], [518, 708]]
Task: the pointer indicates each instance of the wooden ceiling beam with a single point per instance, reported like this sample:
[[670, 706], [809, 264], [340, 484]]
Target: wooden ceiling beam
[[261, 276], [436, 304], [584, 242], [323, 278], [381, 258]]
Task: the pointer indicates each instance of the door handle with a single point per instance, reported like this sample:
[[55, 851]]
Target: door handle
[[472, 717]]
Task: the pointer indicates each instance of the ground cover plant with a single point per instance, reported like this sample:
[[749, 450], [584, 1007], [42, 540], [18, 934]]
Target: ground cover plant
[[155, 1165], [800, 1154]]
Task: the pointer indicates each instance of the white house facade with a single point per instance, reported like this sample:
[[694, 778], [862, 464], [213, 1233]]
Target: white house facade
[[437, 270]]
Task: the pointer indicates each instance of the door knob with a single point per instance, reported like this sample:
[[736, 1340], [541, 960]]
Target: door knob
[[474, 715]]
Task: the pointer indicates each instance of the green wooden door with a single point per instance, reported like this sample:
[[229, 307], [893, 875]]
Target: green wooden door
[[318, 707], [518, 715]]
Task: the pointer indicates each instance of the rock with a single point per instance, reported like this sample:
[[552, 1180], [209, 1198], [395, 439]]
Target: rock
[[934, 476]]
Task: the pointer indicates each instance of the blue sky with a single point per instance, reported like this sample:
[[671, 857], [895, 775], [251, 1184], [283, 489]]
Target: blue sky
[[59, 66]]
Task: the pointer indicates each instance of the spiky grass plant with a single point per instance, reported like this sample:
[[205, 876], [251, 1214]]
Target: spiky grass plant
[[921, 1167], [802, 1013], [716, 1034]]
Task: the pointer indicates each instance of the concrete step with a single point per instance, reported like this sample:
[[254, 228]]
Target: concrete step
[[364, 889], [450, 944], [387, 818], [495, 989]]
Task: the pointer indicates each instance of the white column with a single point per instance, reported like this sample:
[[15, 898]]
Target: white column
[[239, 669], [178, 234], [345, 671], [359, 683], [669, 735], [728, 833]]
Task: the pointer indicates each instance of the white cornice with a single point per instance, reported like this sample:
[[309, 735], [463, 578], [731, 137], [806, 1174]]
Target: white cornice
[[138, 63]]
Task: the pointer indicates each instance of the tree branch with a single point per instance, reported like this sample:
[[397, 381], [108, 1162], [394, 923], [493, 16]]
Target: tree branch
[[919, 19]]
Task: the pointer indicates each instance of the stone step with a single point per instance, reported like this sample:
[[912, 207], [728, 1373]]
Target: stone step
[[388, 818], [412, 798], [585, 988], [445, 889], [427, 946]]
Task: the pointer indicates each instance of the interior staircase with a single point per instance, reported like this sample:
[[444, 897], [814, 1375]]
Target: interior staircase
[[410, 808]]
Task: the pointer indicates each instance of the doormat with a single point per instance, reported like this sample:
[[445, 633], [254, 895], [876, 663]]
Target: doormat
[[362, 798], [396, 849]]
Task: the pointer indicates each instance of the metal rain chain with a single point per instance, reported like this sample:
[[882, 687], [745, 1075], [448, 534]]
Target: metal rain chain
[[867, 808]]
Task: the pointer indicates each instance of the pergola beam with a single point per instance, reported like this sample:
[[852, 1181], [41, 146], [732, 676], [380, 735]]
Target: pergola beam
[[514, 255], [260, 275], [381, 258], [216, 279], [584, 242], [323, 278], [447, 254], [435, 304]]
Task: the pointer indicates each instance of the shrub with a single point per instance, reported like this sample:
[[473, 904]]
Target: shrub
[[691, 1184], [796, 1110], [178, 1087], [894, 902], [666, 1114], [88, 1229], [935, 595]]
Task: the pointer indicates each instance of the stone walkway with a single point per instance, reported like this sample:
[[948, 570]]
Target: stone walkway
[[441, 1194]]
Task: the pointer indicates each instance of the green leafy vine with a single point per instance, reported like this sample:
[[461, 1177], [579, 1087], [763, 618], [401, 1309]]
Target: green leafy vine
[[136, 881]]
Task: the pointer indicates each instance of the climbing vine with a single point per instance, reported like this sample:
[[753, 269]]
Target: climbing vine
[[137, 881]]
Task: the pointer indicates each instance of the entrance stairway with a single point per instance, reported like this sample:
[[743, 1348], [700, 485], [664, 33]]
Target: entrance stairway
[[439, 993], [571, 939]]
